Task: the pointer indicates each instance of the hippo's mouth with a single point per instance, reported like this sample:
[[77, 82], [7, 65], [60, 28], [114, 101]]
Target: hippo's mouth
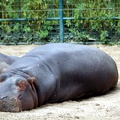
[[8, 104]]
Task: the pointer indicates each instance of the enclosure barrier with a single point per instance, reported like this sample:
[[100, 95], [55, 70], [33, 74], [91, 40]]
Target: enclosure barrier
[[23, 21]]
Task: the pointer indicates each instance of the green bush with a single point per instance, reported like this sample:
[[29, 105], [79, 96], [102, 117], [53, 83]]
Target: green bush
[[93, 19], [98, 18]]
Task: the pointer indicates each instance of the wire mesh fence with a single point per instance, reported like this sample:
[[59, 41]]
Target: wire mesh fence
[[38, 21]]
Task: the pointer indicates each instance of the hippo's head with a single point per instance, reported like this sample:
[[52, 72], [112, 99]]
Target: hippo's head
[[17, 93]]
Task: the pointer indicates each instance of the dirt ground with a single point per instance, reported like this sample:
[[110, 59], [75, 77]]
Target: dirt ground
[[105, 107]]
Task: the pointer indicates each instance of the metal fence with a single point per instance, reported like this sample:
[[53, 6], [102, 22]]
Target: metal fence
[[22, 21]]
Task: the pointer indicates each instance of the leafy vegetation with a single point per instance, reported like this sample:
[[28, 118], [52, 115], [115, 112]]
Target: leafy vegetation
[[25, 21]]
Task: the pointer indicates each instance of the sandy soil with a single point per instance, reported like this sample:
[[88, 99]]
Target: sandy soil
[[105, 107]]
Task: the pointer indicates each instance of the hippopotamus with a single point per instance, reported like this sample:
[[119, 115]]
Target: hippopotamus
[[5, 61], [55, 73]]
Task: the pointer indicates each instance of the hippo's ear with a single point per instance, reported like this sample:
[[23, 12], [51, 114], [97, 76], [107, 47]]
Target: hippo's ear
[[31, 80], [22, 85]]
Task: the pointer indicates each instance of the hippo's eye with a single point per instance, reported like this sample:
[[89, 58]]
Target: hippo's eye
[[22, 85], [2, 78]]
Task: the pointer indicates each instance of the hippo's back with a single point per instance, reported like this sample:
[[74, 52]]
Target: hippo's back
[[79, 67]]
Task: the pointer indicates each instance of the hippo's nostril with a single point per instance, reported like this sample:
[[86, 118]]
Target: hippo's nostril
[[3, 97]]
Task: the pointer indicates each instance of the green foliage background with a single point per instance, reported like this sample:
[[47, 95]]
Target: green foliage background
[[93, 19]]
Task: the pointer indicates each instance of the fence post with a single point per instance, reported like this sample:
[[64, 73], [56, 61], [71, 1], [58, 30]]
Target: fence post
[[61, 21]]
